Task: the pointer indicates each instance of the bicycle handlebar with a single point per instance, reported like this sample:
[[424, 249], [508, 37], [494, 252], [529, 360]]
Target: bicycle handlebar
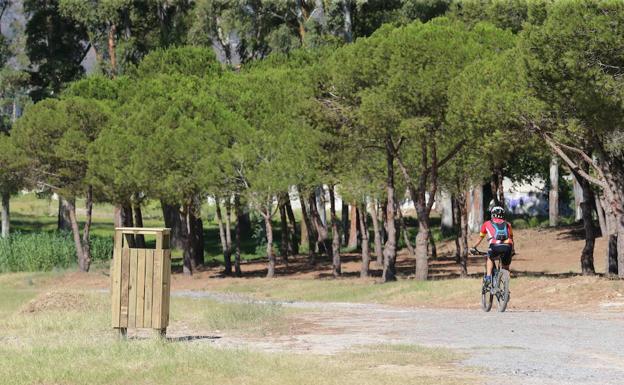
[[477, 252]]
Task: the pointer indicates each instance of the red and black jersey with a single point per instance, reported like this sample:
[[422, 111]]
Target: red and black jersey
[[488, 230]]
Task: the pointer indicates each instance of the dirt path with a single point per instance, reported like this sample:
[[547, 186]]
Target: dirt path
[[517, 347]]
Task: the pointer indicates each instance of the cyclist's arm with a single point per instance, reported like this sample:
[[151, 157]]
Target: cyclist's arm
[[482, 234]]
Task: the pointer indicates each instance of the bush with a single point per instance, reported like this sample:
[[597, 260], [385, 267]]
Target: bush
[[46, 251]]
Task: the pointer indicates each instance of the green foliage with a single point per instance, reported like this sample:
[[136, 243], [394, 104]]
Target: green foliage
[[54, 46], [46, 251], [188, 61]]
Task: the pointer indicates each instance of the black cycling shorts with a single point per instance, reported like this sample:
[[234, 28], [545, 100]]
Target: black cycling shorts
[[502, 249]]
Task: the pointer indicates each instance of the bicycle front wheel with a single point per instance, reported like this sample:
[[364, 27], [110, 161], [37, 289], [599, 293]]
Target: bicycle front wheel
[[502, 295], [486, 298]]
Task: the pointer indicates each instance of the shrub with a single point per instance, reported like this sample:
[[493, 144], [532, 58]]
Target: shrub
[[46, 251]]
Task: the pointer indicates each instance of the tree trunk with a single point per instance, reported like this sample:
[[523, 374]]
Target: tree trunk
[[463, 233], [320, 229], [348, 24], [228, 226], [389, 253], [377, 233], [237, 257], [285, 243], [587, 255], [112, 54], [320, 206], [475, 204], [336, 263], [138, 222], [600, 213], [269, 246], [63, 222], [406, 239], [309, 228], [188, 265], [174, 221], [292, 226], [6, 222], [578, 199], [422, 241], [553, 194], [344, 218], [365, 245], [227, 260], [444, 202], [75, 233], [353, 225], [86, 232], [197, 237], [498, 192]]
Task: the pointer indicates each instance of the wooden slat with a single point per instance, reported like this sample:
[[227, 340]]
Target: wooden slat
[[125, 280], [132, 302], [149, 275], [166, 288], [116, 281], [140, 305], [157, 289], [143, 230]]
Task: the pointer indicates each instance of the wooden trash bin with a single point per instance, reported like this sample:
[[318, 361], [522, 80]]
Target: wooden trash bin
[[141, 280]]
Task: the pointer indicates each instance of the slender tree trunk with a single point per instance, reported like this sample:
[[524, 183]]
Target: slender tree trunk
[[344, 215], [269, 246], [76, 233], [138, 222], [406, 239], [365, 244], [498, 192], [85, 264], [553, 194], [187, 259], [578, 199], [292, 225], [377, 233], [587, 255], [224, 245], [336, 263], [228, 226], [112, 31], [353, 225], [389, 271], [237, 257], [348, 24], [6, 222], [463, 233], [284, 245], [600, 213], [64, 223], [310, 234], [320, 228], [475, 217], [611, 262]]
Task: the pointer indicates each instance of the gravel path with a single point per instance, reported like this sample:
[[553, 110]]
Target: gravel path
[[515, 347]]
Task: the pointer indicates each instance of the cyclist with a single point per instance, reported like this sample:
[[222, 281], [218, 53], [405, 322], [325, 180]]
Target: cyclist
[[500, 237]]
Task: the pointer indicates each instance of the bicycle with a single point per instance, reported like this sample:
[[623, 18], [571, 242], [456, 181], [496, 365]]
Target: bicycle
[[498, 288]]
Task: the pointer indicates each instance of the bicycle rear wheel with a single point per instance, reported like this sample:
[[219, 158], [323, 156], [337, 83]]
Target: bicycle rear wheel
[[486, 299], [502, 296]]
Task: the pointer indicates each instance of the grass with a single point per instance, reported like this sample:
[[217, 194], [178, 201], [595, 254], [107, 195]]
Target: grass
[[63, 337], [404, 292]]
